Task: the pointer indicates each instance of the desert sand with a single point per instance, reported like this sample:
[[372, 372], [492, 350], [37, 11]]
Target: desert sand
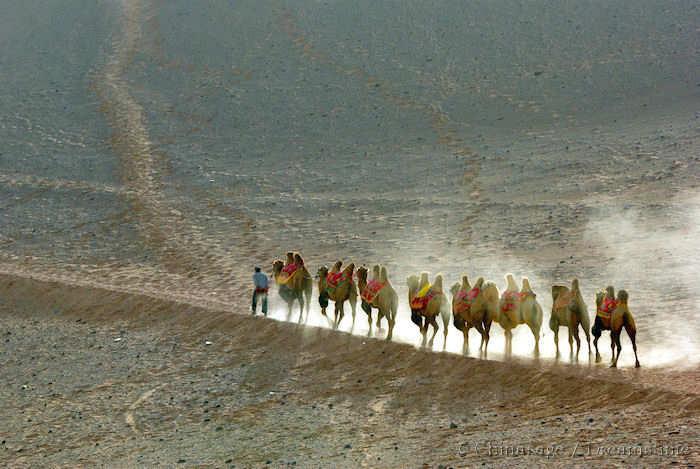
[[153, 153]]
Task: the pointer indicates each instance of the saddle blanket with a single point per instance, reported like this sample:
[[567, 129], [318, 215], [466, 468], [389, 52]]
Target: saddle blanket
[[420, 303], [287, 275], [464, 300], [607, 308], [371, 290]]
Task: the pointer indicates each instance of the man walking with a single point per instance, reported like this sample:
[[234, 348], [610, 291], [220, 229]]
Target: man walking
[[260, 283]]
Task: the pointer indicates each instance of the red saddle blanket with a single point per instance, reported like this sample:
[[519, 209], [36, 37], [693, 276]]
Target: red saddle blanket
[[333, 279], [421, 302], [290, 269], [510, 300], [371, 290], [608, 306], [464, 299]]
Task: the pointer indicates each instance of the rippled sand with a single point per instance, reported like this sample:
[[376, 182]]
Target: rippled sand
[[156, 157]]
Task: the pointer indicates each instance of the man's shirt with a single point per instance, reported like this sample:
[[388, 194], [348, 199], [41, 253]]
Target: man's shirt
[[260, 280]]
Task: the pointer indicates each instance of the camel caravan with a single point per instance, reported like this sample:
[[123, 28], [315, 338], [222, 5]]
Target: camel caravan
[[476, 306]]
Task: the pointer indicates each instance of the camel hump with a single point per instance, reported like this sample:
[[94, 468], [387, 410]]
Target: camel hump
[[574, 285], [455, 288], [424, 279], [479, 283], [383, 275], [526, 286], [510, 280], [558, 290], [437, 284]]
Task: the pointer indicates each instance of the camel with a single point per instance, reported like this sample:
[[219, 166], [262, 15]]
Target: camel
[[380, 294], [612, 315], [519, 306], [296, 286], [338, 287], [483, 303], [569, 310], [426, 302], [465, 317]]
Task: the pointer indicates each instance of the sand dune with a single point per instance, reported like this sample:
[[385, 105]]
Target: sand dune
[[124, 378]]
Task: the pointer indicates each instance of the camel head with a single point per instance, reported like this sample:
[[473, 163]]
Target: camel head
[[322, 272], [465, 283], [510, 281], [622, 297], [362, 274], [277, 266]]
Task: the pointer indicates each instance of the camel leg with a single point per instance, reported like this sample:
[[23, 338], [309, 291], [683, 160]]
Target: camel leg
[[595, 344], [424, 331], [391, 322], [367, 308], [616, 337], [465, 344], [632, 333], [479, 327], [445, 324], [588, 340], [369, 320], [301, 307], [487, 329], [339, 311], [290, 304], [578, 340], [536, 334], [571, 342], [353, 308], [556, 340], [612, 348], [435, 325]]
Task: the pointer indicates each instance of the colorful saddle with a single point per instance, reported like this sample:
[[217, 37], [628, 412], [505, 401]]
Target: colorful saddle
[[606, 309], [335, 279], [464, 299], [422, 298], [371, 290], [287, 274]]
